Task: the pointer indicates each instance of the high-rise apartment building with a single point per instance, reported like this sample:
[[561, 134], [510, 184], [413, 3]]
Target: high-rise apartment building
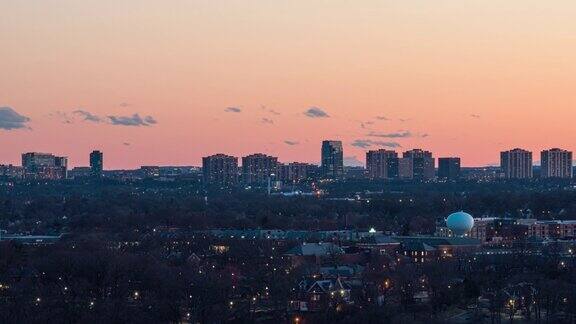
[[44, 166], [296, 172], [220, 169], [332, 160], [382, 164], [556, 163], [259, 168], [449, 168], [405, 169], [11, 171], [97, 163], [34, 159], [516, 164], [62, 163], [416, 164]]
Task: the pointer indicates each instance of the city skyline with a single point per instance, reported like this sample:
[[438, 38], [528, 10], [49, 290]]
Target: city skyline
[[372, 159], [154, 84]]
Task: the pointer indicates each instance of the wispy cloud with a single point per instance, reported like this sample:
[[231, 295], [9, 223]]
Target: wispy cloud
[[399, 134], [117, 120], [233, 109], [270, 110], [150, 120], [315, 112], [10, 119], [62, 116], [291, 143], [366, 124], [134, 120], [88, 116], [366, 143]]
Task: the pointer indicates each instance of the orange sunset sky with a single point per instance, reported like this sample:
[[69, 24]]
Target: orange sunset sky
[[167, 82]]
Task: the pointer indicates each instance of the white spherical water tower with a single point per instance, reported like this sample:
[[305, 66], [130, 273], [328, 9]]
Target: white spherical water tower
[[460, 223]]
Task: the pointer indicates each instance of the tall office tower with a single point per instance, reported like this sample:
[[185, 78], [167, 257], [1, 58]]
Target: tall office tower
[[449, 168], [220, 169], [416, 164], [259, 168], [296, 172], [96, 163], [516, 164], [332, 160], [382, 164], [44, 166], [556, 163]]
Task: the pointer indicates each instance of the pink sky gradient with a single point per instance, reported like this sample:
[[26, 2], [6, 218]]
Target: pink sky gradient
[[475, 77]]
